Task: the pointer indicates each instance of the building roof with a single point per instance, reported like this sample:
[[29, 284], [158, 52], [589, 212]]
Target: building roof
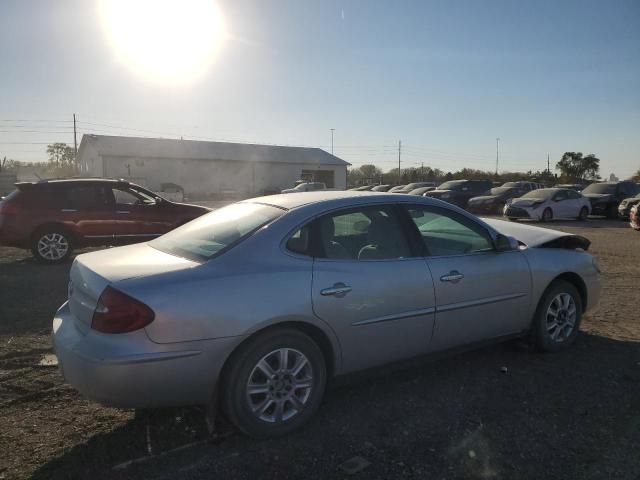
[[116, 146]]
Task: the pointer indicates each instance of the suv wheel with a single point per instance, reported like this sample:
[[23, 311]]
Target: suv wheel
[[51, 245]]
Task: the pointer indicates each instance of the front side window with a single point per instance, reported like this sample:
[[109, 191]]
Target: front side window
[[130, 196], [574, 195], [368, 233], [206, 236], [447, 233]]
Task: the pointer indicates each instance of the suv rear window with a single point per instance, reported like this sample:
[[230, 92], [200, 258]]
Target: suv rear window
[[216, 232]]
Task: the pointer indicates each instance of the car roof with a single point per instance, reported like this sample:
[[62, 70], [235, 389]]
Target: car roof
[[51, 181], [339, 197]]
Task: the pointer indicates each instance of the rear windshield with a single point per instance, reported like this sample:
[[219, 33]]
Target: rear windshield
[[600, 188], [451, 185], [501, 190], [214, 232]]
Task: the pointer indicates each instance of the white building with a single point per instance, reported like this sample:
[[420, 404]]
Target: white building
[[208, 168]]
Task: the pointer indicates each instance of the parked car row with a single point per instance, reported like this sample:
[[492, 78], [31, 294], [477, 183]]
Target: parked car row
[[52, 217], [517, 200]]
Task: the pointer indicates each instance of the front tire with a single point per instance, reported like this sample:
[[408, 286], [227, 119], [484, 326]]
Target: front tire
[[51, 245], [274, 383], [557, 318], [547, 215], [584, 213]]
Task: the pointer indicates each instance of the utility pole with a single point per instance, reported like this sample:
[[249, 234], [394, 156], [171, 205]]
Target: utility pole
[[497, 154], [332, 130], [548, 166], [75, 141], [422, 172], [399, 152]]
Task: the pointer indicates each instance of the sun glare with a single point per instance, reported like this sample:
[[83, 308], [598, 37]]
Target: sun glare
[[166, 41]]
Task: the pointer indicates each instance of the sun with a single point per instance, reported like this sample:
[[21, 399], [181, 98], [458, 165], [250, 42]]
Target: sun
[[165, 41]]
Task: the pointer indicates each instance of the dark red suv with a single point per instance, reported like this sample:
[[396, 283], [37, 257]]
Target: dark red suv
[[51, 217]]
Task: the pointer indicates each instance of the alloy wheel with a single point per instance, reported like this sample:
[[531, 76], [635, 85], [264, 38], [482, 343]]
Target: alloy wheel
[[561, 317], [53, 246], [280, 385]]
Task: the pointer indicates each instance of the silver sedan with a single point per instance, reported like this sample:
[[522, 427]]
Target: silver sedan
[[257, 304]]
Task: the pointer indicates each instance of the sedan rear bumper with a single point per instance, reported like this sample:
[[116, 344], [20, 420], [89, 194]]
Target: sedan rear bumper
[[137, 373]]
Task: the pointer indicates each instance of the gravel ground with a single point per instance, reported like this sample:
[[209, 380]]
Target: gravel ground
[[574, 414]]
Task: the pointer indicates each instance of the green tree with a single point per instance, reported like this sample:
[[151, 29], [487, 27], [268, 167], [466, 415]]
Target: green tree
[[370, 172], [576, 168], [636, 176], [61, 154]]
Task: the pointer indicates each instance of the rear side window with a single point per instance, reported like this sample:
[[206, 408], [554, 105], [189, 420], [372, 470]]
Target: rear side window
[[561, 195], [211, 234], [368, 233], [299, 241], [85, 197]]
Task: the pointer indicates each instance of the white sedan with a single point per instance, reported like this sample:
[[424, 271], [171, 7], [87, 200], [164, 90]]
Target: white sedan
[[546, 204]]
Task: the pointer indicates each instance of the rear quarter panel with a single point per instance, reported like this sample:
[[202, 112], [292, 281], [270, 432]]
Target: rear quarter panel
[[251, 287]]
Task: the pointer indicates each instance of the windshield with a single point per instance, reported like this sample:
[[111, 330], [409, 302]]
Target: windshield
[[208, 235], [500, 190], [543, 193], [602, 188], [453, 185]]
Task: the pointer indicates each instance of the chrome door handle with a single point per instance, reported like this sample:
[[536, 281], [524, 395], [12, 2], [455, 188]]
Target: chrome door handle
[[453, 277], [123, 211], [338, 290]]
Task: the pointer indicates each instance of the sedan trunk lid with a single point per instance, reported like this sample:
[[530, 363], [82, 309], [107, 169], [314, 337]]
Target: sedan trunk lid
[[92, 272]]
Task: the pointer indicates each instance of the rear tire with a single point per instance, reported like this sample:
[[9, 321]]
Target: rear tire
[[51, 245], [584, 213], [557, 319], [547, 215], [284, 399]]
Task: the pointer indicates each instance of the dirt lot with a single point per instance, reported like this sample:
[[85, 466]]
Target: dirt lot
[[569, 415]]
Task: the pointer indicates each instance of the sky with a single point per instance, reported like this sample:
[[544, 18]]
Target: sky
[[445, 77]]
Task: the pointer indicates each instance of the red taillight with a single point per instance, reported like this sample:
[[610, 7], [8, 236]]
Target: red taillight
[[117, 312], [8, 208]]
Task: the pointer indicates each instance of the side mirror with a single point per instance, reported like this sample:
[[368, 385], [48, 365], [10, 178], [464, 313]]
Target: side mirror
[[505, 243], [159, 200]]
